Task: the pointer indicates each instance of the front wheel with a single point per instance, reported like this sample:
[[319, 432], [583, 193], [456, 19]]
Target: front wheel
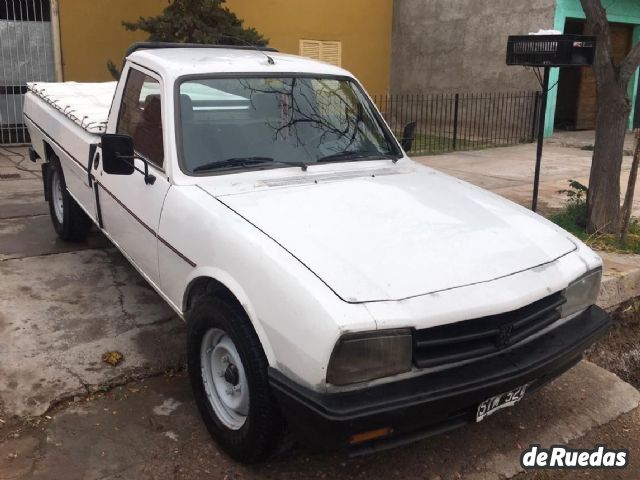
[[228, 372], [70, 222]]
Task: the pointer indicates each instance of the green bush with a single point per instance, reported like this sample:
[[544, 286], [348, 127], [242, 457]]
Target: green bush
[[573, 218]]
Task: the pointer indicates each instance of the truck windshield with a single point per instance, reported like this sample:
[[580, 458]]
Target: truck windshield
[[279, 121]]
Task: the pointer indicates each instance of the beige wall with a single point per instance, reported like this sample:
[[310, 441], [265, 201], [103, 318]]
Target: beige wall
[[91, 33], [363, 27], [460, 45]]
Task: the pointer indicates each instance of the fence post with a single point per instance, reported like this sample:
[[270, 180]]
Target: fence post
[[55, 34], [455, 121]]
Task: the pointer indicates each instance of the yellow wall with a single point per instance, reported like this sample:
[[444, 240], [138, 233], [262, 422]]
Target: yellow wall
[[363, 27], [91, 33]]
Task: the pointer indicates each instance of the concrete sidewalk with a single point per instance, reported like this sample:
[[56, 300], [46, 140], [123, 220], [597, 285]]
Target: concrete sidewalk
[[509, 171], [63, 305], [586, 139], [151, 430]]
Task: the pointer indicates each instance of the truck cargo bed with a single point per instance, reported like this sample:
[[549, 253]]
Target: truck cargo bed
[[66, 120], [86, 104]]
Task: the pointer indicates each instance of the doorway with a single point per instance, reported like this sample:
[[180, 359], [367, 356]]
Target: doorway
[[576, 104]]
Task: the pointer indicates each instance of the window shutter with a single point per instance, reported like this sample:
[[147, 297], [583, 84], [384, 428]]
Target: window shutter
[[310, 48], [325, 51], [331, 52]]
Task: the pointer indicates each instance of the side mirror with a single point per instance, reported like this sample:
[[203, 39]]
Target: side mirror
[[408, 136], [117, 154]]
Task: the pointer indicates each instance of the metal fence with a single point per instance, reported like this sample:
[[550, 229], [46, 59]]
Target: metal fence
[[26, 55], [463, 121]]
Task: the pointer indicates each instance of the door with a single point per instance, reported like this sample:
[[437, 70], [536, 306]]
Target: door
[[129, 207], [576, 105], [621, 40], [26, 55]]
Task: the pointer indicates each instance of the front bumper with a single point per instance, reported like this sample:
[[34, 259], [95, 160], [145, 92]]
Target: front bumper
[[435, 402]]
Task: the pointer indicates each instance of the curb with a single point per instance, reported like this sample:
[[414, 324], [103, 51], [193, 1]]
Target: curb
[[620, 281]]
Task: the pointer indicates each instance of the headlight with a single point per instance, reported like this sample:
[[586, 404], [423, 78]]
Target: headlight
[[582, 293], [365, 356]]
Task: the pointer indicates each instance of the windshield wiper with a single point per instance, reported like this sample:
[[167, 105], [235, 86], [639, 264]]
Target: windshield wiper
[[354, 155], [245, 162]]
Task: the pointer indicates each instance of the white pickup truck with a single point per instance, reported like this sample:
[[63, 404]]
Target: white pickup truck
[[332, 287]]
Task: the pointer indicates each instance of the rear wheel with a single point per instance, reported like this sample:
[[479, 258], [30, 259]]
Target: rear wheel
[[70, 222], [228, 372]]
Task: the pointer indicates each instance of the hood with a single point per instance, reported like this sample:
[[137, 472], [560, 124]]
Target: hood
[[398, 233]]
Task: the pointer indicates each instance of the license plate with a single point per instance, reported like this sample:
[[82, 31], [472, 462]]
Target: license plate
[[504, 400]]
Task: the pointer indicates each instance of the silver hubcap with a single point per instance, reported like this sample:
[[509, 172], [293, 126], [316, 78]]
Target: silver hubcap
[[224, 378], [56, 196]]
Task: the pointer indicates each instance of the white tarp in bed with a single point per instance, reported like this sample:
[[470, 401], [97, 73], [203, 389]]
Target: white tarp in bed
[[87, 104]]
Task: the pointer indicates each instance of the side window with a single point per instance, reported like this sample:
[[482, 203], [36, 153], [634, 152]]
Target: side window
[[141, 116]]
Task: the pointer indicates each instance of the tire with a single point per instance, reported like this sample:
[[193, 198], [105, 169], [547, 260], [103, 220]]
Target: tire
[[70, 222], [215, 327]]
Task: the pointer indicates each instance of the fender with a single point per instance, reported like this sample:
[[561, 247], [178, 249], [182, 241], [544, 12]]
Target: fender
[[228, 281]]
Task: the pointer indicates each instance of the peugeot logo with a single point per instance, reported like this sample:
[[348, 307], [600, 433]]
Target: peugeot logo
[[504, 336]]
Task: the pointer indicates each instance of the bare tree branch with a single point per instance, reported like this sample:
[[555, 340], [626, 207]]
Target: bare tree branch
[[631, 188]]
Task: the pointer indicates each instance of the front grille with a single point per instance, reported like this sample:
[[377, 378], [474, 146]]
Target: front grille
[[475, 338]]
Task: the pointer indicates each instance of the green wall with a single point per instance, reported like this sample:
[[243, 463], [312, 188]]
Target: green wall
[[619, 11]]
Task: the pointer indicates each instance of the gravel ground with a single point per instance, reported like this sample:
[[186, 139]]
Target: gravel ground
[[618, 352], [623, 432]]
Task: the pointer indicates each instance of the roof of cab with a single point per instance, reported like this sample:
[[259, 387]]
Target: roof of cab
[[176, 62]]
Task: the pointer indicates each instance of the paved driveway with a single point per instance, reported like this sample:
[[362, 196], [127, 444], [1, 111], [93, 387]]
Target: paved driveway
[[509, 171], [63, 305]]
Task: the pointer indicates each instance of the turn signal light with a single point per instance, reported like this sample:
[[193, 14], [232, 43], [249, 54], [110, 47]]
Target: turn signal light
[[370, 435]]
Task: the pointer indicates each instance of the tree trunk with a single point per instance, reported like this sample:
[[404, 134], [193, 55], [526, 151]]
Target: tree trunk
[[603, 202]]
